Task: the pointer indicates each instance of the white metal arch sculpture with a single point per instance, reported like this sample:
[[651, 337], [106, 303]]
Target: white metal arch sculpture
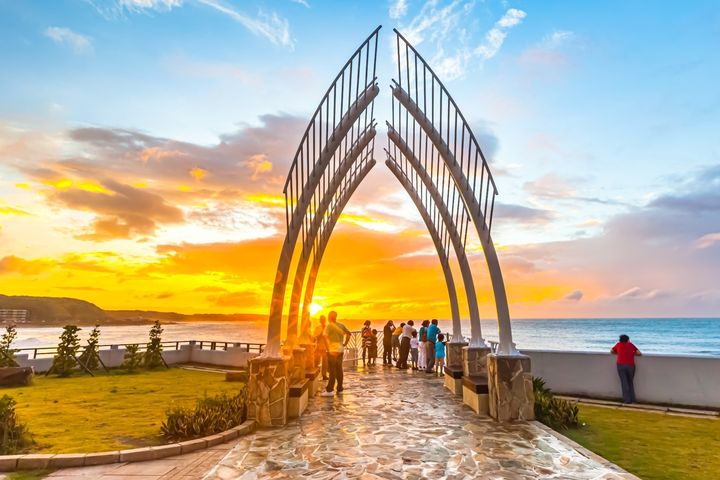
[[446, 168]]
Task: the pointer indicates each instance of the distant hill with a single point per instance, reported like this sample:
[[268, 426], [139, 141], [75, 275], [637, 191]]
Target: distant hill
[[64, 311], [56, 310]]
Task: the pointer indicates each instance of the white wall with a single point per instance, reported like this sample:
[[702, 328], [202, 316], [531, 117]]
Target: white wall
[[666, 379], [232, 357]]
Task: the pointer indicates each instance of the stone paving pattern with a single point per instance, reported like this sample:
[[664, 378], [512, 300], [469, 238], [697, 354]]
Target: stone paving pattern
[[391, 425]]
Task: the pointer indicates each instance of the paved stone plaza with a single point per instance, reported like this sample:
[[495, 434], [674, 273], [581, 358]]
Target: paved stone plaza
[[391, 424]]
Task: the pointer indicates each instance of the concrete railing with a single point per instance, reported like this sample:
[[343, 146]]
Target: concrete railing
[[664, 379], [227, 354]]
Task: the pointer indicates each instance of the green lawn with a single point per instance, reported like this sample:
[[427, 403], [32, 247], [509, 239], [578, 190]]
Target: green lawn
[[110, 411], [651, 445]]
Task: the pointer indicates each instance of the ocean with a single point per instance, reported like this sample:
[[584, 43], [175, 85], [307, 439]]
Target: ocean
[[671, 336]]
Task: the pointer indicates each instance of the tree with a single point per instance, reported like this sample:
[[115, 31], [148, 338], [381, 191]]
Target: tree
[[7, 354], [89, 356], [153, 352], [65, 360], [132, 358]]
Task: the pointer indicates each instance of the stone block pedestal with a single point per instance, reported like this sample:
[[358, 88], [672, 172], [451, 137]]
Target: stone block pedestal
[[268, 389], [298, 398], [298, 364], [510, 388], [453, 379], [474, 361], [475, 394], [315, 381]]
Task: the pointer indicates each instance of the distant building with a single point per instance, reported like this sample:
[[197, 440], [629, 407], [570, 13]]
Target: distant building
[[8, 315]]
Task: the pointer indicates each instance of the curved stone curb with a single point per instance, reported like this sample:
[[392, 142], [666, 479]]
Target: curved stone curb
[[38, 461]]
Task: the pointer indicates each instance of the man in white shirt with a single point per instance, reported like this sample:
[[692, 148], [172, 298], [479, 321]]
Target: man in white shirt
[[337, 336], [405, 337]]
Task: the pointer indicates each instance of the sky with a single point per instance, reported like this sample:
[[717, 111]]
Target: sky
[[144, 146]]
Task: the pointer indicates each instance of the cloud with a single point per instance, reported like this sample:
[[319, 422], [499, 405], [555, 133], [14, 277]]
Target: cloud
[[708, 240], [301, 2], [521, 214], [13, 264], [551, 51], [142, 5], [398, 9], [12, 211], [123, 212], [270, 26], [78, 43], [574, 296], [441, 26]]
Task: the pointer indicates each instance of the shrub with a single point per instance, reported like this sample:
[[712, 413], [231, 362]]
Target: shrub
[[211, 415], [89, 356], [153, 352], [7, 354], [13, 434], [132, 358], [554, 412], [64, 361]]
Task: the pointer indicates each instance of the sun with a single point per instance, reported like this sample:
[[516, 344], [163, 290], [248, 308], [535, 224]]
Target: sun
[[315, 308]]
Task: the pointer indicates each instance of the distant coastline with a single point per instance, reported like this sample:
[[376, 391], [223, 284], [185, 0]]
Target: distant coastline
[[60, 311]]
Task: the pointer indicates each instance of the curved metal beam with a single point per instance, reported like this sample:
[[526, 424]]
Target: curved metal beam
[[476, 339], [294, 225], [506, 345], [318, 216], [325, 237], [435, 235]]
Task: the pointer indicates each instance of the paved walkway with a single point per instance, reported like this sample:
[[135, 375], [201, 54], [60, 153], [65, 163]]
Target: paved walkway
[[392, 425]]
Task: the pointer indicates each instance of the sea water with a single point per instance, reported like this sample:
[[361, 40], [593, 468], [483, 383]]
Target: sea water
[[672, 336]]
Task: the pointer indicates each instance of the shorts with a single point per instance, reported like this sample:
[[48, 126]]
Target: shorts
[[414, 354]]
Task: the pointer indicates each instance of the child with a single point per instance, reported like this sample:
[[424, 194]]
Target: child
[[440, 353], [373, 347], [414, 344]]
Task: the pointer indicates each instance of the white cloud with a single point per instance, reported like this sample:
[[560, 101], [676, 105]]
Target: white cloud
[[495, 38], [557, 39], [398, 9], [301, 2], [270, 26], [139, 5], [441, 25], [707, 241], [80, 44]]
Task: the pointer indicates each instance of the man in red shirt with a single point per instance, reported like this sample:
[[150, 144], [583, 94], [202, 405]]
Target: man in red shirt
[[626, 353]]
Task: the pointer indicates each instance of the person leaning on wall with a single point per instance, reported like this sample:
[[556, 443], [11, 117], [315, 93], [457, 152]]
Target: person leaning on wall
[[626, 353]]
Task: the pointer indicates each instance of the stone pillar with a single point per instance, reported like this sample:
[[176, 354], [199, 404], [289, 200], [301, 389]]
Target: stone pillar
[[474, 361], [311, 370], [510, 387], [455, 355], [268, 389], [298, 365]]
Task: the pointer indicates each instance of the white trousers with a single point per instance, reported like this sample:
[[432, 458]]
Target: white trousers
[[422, 355]]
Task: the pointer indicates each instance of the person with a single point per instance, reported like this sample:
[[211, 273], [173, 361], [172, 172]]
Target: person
[[366, 341], [320, 348], [440, 352], [414, 345], [422, 345], [432, 333], [373, 348], [396, 341], [626, 353], [336, 338], [387, 342], [405, 336]]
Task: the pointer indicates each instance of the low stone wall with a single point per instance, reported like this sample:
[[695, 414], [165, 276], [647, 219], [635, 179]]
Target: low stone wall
[[43, 461], [666, 379], [113, 357]]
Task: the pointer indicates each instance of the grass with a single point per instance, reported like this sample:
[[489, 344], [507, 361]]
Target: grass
[[110, 411], [651, 445]]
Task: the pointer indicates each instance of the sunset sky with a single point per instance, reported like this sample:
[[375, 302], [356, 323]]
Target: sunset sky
[[144, 145]]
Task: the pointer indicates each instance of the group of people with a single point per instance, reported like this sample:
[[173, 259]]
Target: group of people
[[425, 347]]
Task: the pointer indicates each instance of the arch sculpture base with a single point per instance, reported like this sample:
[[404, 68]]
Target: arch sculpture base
[[510, 388], [268, 390]]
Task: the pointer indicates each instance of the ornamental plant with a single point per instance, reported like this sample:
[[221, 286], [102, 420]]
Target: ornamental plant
[[7, 354], [14, 435], [211, 415], [132, 358], [153, 353], [65, 360], [556, 413], [89, 356]]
